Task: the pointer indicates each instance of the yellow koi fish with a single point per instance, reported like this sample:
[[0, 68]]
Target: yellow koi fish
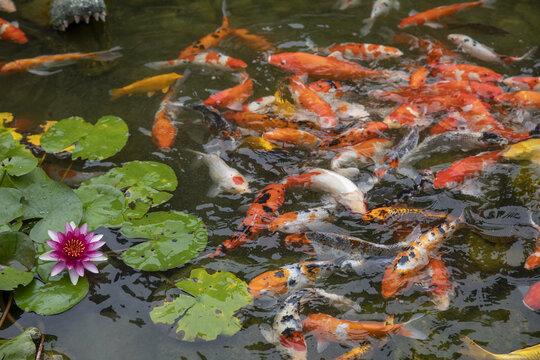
[[477, 352], [147, 85]]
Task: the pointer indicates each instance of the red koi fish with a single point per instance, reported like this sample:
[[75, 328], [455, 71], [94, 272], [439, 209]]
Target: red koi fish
[[438, 284], [404, 115], [355, 135], [523, 83], [534, 259], [255, 42], [449, 71], [294, 137], [212, 59], [163, 130], [11, 32], [258, 122], [358, 153], [335, 88], [323, 67], [436, 51], [310, 101], [522, 99], [430, 17], [532, 297], [367, 52], [69, 177], [234, 97], [462, 169], [419, 77], [259, 214]]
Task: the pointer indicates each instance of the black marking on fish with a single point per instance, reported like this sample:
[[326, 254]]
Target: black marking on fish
[[403, 260], [263, 199], [286, 318], [267, 209], [280, 274]]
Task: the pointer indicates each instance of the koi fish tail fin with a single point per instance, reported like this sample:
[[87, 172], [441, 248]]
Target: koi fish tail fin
[[107, 55], [367, 27], [225, 22], [311, 45], [344, 4], [409, 331], [488, 3], [116, 93], [475, 351], [160, 65], [528, 55]]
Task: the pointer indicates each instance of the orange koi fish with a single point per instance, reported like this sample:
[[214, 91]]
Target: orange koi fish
[[335, 88], [355, 135], [302, 220], [331, 92], [163, 130], [534, 259], [399, 213], [11, 32], [147, 85], [523, 83], [258, 122], [475, 351], [532, 297], [415, 257], [359, 352], [449, 71], [430, 17], [450, 88], [418, 78], [323, 67], [69, 177], [259, 214], [212, 59], [522, 99], [367, 52], [435, 50], [293, 137], [407, 144], [358, 153], [310, 101], [41, 64], [438, 284], [255, 42], [327, 328], [462, 169], [234, 97], [7, 6], [404, 115]]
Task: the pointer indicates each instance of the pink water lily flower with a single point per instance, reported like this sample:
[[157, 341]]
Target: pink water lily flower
[[75, 250]]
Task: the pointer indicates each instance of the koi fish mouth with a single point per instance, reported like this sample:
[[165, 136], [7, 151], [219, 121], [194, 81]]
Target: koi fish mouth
[[63, 13]]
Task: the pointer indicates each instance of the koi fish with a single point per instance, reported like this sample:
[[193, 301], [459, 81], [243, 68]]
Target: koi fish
[[323, 87], [7, 6], [147, 85], [331, 92], [226, 178], [419, 77], [523, 83], [302, 220], [255, 42], [258, 143], [402, 149], [310, 101], [258, 122], [71, 178], [431, 17], [41, 64], [11, 32], [404, 115], [477, 352], [344, 4], [260, 213], [163, 129], [532, 298], [217, 123], [533, 260], [359, 352], [380, 8], [524, 150], [212, 59], [435, 50], [399, 213], [447, 88], [343, 190], [234, 97], [522, 99], [368, 149], [449, 71], [262, 105], [408, 263], [483, 52], [356, 135], [294, 137], [438, 284], [367, 52], [471, 166]]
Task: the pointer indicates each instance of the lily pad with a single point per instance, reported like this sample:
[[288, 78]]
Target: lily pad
[[15, 158], [55, 204], [53, 297], [23, 181], [176, 238], [12, 207], [101, 204], [11, 278], [207, 310], [64, 134], [105, 139], [17, 250], [21, 347]]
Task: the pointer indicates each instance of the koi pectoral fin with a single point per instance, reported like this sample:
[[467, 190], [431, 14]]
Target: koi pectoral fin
[[36, 71]]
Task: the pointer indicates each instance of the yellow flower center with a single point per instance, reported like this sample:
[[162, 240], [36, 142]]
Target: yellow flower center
[[74, 248]]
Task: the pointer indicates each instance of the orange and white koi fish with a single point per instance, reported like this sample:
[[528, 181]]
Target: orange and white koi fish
[[430, 17], [11, 32], [41, 64], [69, 177], [399, 213], [404, 115], [262, 105], [356, 135], [208, 41], [522, 99], [436, 51], [483, 52], [360, 153], [327, 328], [343, 190], [415, 257], [380, 8], [310, 101], [331, 92], [462, 169], [448, 88], [523, 83], [533, 260], [302, 220], [292, 137], [7, 6], [407, 144], [234, 97], [532, 298], [147, 85], [323, 67], [449, 71], [258, 122], [255, 42], [225, 177], [259, 214], [324, 87], [163, 129], [438, 284], [419, 77], [345, 4], [477, 352], [367, 52], [212, 59]]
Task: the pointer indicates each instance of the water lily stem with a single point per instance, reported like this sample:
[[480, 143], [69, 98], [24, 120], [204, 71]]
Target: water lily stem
[[42, 159], [66, 171], [114, 251], [6, 309], [166, 279], [40, 349]]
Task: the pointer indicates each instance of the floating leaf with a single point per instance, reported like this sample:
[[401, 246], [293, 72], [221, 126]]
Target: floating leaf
[[11, 207], [64, 134], [10, 278], [17, 250], [22, 182], [101, 204], [208, 308], [105, 139], [7, 118], [53, 297], [21, 347], [15, 158], [176, 238], [55, 204]]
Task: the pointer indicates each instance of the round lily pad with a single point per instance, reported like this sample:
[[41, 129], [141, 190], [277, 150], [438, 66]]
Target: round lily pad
[[101, 204], [176, 238], [17, 250], [15, 158], [64, 134], [207, 310], [10, 278], [107, 137], [12, 206], [21, 347]]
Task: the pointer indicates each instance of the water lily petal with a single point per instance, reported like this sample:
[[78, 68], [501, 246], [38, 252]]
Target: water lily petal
[[96, 238], [89, 236], [70, 265], [93, 254], [58, 255], [84, 228], [47, 256], [73, 276], [54, 245], [73, 226], [58, 267], [68, 228], [100, 258], [90, 266], [95, 245], [79, 268], [53, 235]]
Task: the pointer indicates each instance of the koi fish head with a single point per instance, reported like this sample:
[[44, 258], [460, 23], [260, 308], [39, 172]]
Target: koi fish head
[[236, 184], [270, 283], [163, 134], [394, 282], [353, 201], [491, 139], [508, 98], [235, 64], [405, 115], [459, 39], [286, 61], [12, 33], [293, 344], [327, 86], [281, 222]]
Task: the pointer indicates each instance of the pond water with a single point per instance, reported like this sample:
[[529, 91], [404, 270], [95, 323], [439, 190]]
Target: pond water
[[113, 321]]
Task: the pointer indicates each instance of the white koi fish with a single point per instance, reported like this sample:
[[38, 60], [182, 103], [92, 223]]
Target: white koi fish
[[380, 8]]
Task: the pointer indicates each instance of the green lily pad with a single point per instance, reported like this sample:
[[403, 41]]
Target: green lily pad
[[11, 278], [55, 204], [17, 250], [105, 139], [24, 181], [176, 238], [101, 204], [208, 308], [53, 297], [64, 133], [12, 207], [21, 347], [15, 158]]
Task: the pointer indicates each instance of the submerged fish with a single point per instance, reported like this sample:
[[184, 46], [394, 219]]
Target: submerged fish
[[72, 178], [430, 17], [436, 51], [310, 101], [211, 59], [360, 153], [234, 97], [532, 298], [476, 352], [217, 123], [11, 32], [7, 6], [380, 8], [438, 284], [163, 129], [407, 144], [253, 41], [147, 85]]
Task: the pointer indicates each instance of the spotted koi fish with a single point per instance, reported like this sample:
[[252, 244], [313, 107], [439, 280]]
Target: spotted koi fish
[[163, 129], [408, 263], [477, 352], [258, 122], [234, 97], [404, 115], [435, 50], [11, 32], [217, 123], [407, 144], [302, 220], [398, 213], [259, 214], [367, 52], [323, 87], [310, 101], [523, 83], [522, 99], [356, 135], [359, 352], [294, 137], [212, 59], [431, 17], [450, 71], [438, 284], [358, 153], [253, 41]]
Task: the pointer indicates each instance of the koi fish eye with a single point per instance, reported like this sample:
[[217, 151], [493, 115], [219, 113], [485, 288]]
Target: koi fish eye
[[283, 62]]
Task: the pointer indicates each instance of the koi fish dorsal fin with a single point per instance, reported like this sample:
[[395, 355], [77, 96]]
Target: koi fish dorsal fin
[[474, 350]]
